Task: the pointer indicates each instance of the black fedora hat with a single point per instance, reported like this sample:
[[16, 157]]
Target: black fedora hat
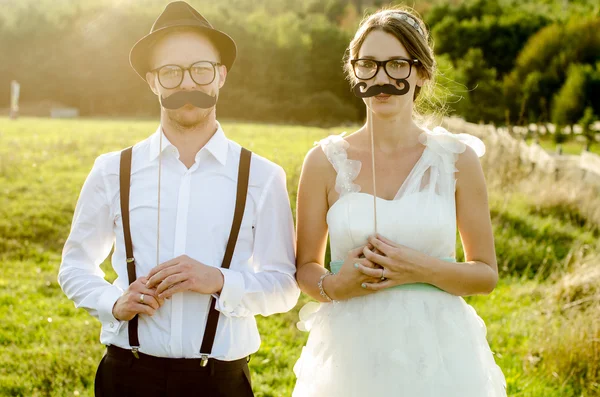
[[180, 14]]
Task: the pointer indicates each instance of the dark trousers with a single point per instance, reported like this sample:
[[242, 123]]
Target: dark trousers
[[120, 374]]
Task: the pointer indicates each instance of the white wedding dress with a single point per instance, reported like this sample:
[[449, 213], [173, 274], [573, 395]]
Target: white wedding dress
[[412, 340]]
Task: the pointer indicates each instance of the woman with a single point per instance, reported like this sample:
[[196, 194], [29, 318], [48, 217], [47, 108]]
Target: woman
[[392, 319]]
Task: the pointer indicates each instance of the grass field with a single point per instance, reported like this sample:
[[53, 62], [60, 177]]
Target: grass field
[[543, 319], [571, 146]]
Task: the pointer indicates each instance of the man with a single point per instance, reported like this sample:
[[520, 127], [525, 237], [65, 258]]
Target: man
[[200, 226]]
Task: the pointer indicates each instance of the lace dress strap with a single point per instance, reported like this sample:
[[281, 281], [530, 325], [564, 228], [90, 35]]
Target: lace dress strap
[[334, 147], [448, 145]]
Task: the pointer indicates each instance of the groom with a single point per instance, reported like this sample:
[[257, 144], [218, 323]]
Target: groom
[[202, 231]]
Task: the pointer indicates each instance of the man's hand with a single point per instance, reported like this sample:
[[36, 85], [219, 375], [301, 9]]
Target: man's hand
[[132, 303], [184, 274]]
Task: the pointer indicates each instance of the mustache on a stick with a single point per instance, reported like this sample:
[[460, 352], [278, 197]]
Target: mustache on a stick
[[179, 99], [361, 90]]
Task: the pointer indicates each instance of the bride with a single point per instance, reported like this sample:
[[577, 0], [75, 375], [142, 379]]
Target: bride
[[392, 320]]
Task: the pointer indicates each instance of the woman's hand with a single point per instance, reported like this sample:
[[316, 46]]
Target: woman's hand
[[348, 283], [395, 264]]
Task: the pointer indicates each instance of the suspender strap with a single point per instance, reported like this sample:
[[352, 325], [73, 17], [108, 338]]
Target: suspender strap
[[125, 182], [240, 204]]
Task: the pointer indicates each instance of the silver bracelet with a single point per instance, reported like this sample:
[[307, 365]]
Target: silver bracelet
[[320, 284]]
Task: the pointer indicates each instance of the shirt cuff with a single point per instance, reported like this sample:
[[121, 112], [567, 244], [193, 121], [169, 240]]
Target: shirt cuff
[[229, 300], [105, 305]]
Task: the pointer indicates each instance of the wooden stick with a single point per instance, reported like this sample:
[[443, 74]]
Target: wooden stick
[[370, 126], [158, 215]]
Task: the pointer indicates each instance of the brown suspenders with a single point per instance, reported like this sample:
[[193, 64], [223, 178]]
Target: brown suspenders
[[125, 179], [240, 204]]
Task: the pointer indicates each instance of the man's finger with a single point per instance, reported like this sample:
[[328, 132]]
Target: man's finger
[[140, 288], [184, 286], [162, 266], [161, 275], [151, 301], [140, 308], [170, 281]]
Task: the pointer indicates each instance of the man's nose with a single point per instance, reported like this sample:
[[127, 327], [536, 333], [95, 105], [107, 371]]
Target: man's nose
[[187, 82]]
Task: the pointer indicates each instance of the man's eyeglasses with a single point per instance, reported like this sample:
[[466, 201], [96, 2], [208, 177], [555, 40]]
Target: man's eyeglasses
[[202, 73]]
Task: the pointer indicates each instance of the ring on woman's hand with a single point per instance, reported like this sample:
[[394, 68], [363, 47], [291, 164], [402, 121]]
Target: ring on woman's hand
[[383, 275], [142, 298]]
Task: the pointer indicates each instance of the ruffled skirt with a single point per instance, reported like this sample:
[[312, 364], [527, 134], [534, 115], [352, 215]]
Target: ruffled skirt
[[410, 341]]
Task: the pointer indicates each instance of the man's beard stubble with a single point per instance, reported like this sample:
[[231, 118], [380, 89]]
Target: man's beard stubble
[[187, 121], [189, 109]]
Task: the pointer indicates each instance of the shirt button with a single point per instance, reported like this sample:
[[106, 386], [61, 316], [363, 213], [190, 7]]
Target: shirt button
[[112, 325]]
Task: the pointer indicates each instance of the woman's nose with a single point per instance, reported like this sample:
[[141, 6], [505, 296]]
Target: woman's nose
[[381, 77]]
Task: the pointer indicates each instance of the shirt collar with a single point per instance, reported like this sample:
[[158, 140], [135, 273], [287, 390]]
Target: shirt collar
[[217, 145], [154, 151]]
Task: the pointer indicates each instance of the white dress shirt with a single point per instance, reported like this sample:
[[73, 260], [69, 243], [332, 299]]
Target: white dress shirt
[[197, 207]]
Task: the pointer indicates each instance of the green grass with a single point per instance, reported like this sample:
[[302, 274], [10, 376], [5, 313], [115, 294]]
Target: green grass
[[48, 348], [569, 147]]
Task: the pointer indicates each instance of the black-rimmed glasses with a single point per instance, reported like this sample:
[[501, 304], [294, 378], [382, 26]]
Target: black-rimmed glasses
[[202, 73], [398, 68]]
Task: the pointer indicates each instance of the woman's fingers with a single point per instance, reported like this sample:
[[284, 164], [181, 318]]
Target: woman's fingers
[[376, 258], [356, 252], [381, 246], [365, 262], [378, 286], [387, 241], [371, 272]]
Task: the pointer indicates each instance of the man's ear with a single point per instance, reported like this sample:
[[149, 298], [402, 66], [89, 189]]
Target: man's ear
[[151, 80], [222, 75]]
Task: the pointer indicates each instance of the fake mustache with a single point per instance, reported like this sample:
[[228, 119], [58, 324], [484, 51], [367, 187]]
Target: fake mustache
[[179, 99], [360, 89]]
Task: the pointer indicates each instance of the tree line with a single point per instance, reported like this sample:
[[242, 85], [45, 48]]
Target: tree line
[[500, 61]]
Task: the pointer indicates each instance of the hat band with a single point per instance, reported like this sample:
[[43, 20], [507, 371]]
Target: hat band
[[183, 22]]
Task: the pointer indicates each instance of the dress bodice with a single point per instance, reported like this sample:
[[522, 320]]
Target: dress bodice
[[422, 216]]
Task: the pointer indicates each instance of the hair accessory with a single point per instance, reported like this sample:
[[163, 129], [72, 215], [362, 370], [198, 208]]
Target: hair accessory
[[411, 21]]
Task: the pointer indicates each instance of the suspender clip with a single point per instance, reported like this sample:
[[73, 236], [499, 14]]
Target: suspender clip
[[129, 260], [134, 350], [203, 360]]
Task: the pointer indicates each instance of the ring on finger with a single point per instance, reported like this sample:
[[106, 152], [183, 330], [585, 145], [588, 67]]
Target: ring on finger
[[142, 298], [383, 278]]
